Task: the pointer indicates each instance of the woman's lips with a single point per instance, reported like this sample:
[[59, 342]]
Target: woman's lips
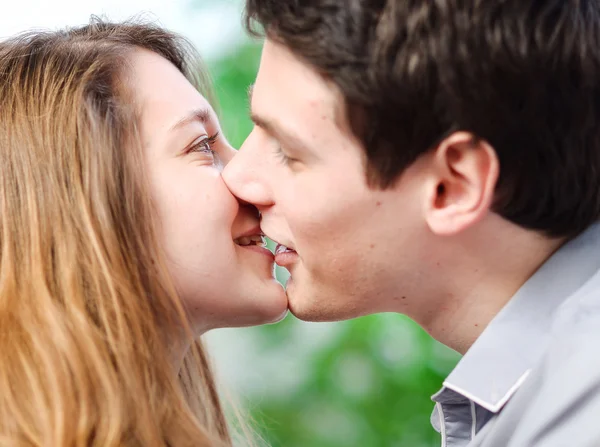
[[259, 249], [256, 243]]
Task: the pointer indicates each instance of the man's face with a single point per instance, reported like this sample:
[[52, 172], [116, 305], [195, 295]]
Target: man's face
[[354, 247]]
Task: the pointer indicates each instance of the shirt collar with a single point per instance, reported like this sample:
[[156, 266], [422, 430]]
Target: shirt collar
[[500, 359]]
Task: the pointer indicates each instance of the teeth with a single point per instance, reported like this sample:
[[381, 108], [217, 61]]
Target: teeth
[[260, 240], [245, 240], [256, 239]]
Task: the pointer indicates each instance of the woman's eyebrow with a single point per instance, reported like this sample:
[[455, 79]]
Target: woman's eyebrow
[[200, 115]]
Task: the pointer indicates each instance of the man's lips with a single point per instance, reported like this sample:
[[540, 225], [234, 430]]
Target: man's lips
[[285, 256], [283, 249]]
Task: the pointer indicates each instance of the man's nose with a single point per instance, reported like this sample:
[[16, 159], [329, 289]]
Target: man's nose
[[247, 177]]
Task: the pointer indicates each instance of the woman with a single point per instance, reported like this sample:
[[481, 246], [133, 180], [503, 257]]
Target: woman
[[119, 242]]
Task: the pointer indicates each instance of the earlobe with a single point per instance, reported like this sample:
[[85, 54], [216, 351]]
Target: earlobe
[[464, 173]]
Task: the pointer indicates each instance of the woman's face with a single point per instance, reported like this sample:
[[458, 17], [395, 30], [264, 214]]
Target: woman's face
[[222, 276]]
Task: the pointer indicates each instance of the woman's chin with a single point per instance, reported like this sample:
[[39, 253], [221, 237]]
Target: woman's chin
[[271, 308], [268, 307], [280, 317]]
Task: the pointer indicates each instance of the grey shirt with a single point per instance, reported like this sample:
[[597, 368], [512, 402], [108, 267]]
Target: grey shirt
[[533, 376]]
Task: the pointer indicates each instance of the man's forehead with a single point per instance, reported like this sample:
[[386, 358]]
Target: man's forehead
[[281, 69], [287, 97], [290, 93]]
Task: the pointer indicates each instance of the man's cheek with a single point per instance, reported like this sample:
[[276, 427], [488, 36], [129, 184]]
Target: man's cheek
[[317, 228]]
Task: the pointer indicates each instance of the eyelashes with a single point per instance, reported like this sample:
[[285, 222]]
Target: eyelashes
[[204, 144], [284, 159]]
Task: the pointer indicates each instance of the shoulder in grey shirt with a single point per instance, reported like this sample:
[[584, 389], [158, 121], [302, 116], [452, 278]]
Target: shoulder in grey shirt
[[532, 377]]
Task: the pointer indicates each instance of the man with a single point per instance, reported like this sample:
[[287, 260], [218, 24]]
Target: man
[[442, 160]]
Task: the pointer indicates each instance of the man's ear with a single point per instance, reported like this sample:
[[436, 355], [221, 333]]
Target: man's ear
[[464, 172]]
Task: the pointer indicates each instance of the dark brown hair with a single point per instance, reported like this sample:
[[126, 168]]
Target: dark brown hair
[[523, 76]]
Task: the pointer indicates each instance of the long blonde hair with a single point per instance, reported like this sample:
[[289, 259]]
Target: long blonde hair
[[85, 299]]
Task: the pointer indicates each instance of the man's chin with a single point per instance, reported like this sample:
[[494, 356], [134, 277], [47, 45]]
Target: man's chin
[[307, 305]]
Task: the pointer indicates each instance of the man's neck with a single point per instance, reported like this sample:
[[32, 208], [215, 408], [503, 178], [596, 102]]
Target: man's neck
[[481, 281]]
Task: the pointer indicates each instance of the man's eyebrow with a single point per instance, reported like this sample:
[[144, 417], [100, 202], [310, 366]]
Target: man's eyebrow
[[285, 136], [200, 115], [264, 124], [257, 120]]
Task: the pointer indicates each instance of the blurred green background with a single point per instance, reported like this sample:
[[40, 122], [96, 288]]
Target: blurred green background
[[365, 382]]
